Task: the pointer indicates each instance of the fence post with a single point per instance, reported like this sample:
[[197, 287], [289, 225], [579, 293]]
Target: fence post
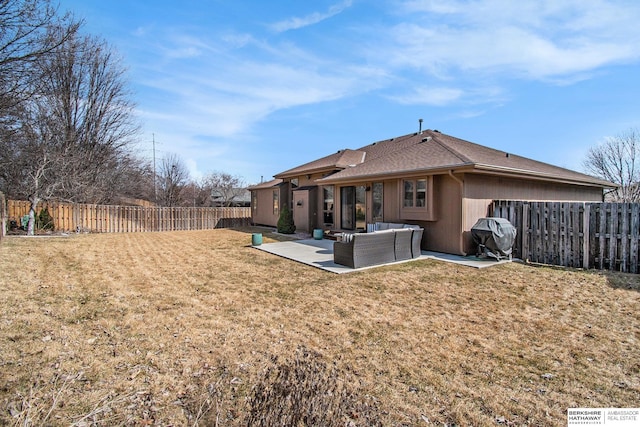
[[3, 216], [633, 244], [586, 220], [524, 231]]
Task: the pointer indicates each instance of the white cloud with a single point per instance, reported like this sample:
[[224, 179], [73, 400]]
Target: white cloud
[[531, 39], [436, 96], [212, 90], [311, 19]]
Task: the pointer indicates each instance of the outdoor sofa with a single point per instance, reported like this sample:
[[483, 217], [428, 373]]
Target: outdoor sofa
[[377, 247], [416, 237]]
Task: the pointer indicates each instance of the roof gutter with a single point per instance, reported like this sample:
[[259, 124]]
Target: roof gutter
[[330, 180], [470, 168], [285, 175], [538, 176]]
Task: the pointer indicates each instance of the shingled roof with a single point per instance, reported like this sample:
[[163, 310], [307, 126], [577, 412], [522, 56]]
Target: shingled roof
[[337, 161], [268, 184], [432, 152]]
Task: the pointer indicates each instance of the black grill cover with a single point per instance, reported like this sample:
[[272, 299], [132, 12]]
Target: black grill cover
[[494, 237]]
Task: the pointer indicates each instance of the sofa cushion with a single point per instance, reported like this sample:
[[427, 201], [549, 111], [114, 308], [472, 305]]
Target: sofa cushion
[[385, 231], [382, 226], [347, 237], [411, 226], [403, 244]]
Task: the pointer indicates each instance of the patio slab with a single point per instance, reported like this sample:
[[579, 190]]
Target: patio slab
[[319, 253]]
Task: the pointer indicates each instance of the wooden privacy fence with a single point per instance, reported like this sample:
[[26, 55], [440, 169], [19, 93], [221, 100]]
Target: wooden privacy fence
[[130, 219], [3, 216], [604, 236]]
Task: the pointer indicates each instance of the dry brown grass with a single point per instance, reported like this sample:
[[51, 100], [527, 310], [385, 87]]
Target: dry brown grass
[[198, 328]]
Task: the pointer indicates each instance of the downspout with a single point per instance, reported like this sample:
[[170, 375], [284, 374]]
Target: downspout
[[457, 179], [461, 183]]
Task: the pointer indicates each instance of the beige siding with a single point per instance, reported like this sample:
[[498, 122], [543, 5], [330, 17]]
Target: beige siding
[[472, 211], [264, 214], [491, 187], [481, 190], [391, 201], [445, 233], [456, 207]]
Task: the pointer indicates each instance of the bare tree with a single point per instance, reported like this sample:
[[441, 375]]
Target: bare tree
[[617, 159], [90, 112], [225, 189], [30, 30], [197, 194], [173, 177], [73, 136]]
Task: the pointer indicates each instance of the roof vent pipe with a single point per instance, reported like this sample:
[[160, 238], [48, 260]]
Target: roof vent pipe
[[420, 126]]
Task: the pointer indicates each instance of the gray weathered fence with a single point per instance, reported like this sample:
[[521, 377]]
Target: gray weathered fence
[[128, 219], [3, 216], [604, 236]]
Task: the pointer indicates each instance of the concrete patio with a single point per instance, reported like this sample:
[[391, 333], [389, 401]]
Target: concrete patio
[[319, 253]]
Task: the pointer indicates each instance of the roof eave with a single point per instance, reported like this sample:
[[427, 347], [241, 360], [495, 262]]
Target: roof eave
[[293, 174], [540, 176], [469, 167], [396, 174]]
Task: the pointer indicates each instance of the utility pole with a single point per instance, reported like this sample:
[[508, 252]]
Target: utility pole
[[155, 185]]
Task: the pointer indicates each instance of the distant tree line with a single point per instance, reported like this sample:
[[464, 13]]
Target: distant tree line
[[617, 159], [174, 186], [67, 124]]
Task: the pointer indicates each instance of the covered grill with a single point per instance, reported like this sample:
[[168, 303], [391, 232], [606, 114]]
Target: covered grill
[[494, 236]]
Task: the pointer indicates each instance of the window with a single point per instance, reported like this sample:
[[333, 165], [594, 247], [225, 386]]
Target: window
[[254, 200], [415, 193], [327, 204], [377, 200], [421, 193], [276, 202], [408, 194], [416, 199], [294, 182]]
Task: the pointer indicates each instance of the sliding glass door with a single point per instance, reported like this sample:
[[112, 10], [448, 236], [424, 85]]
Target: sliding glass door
[[353, 207]]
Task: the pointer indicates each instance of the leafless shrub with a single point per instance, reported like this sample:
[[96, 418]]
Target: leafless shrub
[[208, 399], [307, 391], [36, 406]]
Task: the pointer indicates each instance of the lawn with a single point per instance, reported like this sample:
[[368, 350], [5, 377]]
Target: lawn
[[198, 328]]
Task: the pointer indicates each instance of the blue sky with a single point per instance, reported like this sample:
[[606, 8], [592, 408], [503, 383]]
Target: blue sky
[[254, 88]]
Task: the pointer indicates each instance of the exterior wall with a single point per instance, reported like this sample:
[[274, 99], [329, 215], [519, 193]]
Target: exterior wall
[[262, 214], [472, 211], [481, 190], [391, 201], [445, 233], [305, 211], [456, 206], [479, 186]]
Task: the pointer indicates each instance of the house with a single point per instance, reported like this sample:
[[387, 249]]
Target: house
[[442, 183], [230, 197]]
